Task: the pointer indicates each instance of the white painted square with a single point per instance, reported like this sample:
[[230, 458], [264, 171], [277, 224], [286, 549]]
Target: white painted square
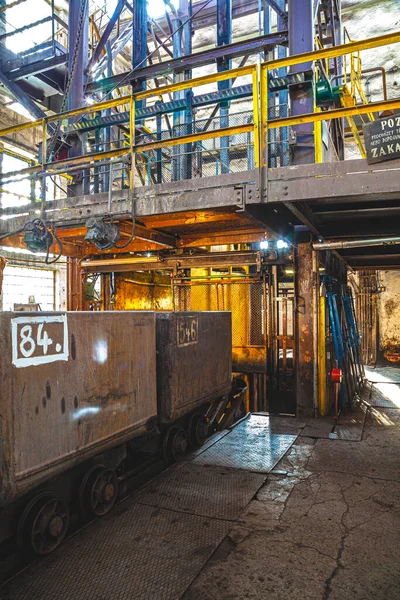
[[32, 344]]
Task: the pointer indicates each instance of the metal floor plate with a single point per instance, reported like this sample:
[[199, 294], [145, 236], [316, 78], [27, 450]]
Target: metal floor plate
[[384, 395], [153, 544], [251, 446], [207, 491], [139, 552]]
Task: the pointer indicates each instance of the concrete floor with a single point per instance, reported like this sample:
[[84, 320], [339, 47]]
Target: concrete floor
[[325, 525], [275, 508]]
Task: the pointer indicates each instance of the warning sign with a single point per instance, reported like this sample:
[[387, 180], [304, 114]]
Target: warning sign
[[382, 139]]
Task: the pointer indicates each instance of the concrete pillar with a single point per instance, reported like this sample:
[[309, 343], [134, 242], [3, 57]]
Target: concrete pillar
[[306, 345]]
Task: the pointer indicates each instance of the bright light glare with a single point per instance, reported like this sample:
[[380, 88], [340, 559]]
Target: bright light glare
[[21, 110], [281, 244], [156, 8], [100, 353], [84, 412], [386, 385], [264, 244]]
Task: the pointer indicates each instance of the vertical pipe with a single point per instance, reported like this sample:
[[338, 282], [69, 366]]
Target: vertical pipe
[[315, 331], [224, 37], [322, 357], [76, 97], [139, 41], [254, 157], [301, 39], [283, 94], [177, 53], [53, 31], [139, 55], [158, 104], [3, 28], [107, 113], [96, 179]]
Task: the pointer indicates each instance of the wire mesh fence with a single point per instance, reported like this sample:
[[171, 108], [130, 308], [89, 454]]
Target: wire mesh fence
[[245, 299], [203, 158]]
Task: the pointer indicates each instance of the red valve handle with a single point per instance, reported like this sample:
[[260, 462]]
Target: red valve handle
[[336, 375]]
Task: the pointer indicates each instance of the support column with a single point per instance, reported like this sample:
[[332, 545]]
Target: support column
[[139, 42], [139, 53], [185, 11], [301, 39], [224, 37], [283, 94], [76, 96], [182, 46], [76, 297], [306, 345]]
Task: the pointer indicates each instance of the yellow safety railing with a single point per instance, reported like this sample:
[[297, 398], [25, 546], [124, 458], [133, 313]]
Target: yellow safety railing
[[88, 160], [259, 127], [316, 117]]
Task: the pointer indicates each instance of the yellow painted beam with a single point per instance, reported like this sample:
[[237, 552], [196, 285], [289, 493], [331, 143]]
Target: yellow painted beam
[[195, 137], [337, 113], [318, 144], [174, 87], [322, 357], [335, 51]]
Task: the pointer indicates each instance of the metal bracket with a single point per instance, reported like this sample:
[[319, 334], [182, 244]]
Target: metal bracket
[[240, 198]]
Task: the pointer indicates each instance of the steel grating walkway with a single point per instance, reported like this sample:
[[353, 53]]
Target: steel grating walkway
[[154, 543]]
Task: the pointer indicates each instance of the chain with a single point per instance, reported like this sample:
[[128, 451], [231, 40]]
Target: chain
[[81, 18]]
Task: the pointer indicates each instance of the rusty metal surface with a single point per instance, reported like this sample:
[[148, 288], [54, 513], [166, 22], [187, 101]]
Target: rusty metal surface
[[245, 298], [138, 552], [304, 329], [252, 446], [72, 385], [205, 491], [194, 361]]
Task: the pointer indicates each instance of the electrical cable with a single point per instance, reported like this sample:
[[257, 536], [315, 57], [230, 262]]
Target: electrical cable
[[10, 233], [50, 262], [59, 187], [133, 229]]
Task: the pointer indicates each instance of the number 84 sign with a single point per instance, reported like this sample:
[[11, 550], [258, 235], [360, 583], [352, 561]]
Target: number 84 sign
[[39, 340]]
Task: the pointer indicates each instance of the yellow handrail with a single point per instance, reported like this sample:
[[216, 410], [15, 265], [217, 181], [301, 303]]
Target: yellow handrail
[[260, 126]]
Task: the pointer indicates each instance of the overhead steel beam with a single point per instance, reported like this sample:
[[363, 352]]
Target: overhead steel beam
[[193, 61], [106, 34], [37, 67], [172, 263], [25, 27], [279, 11], [22, 97], [340, 244]]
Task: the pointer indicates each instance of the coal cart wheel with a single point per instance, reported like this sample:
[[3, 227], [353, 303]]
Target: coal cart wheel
[[98, 491], [175, 444], [198, 430], [43, 524]]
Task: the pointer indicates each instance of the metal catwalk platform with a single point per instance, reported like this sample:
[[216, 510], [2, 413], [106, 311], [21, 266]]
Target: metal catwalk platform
[[153, 545]]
